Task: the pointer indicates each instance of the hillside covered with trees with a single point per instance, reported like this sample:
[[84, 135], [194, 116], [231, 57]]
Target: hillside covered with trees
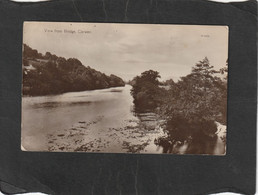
[[50, 74], [189, 107]]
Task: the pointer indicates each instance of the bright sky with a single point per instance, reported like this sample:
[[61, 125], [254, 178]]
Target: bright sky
[[126, 50]]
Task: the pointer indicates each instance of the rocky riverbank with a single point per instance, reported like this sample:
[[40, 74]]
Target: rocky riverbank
[[131, 136]]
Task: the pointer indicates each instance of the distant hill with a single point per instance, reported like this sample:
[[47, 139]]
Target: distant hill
[[49, 74]]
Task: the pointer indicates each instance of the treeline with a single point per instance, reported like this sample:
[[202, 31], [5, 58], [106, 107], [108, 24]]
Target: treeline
[[49, 74], [189, 106]]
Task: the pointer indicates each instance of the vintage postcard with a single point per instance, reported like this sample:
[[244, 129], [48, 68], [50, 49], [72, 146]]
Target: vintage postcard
[[124, 88]]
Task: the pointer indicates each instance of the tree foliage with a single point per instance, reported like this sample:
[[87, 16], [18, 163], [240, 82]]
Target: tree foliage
[[190, 106], [198, 94], [50, 74], [194, 103], [145, 90]]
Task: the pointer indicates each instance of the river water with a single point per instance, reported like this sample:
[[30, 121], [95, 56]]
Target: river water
[[88, 121], [97, 121]]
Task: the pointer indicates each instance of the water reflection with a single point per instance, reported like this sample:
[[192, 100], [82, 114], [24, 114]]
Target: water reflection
[[197, 142], [52, 105], [99, 121], [205, 144], [89, 121]]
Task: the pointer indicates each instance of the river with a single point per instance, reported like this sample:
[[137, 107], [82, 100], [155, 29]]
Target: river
[[99, 121], [88, 121]]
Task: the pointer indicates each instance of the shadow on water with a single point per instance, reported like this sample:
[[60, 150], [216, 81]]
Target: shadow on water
[[52, 105], [147, 117], [93, 121], [202, 144], [192, 143], [150, 124], [113, 91]]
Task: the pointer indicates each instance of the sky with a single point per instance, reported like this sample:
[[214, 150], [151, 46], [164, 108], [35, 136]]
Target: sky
[[127, 50]]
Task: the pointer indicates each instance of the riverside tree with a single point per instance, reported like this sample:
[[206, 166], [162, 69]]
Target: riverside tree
[[193, 105], [145, 90]]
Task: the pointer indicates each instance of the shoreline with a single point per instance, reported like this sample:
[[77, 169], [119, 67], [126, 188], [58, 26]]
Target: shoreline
[[53, 94]]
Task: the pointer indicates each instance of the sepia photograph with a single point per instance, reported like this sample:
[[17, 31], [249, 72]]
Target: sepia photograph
[[124, 88]]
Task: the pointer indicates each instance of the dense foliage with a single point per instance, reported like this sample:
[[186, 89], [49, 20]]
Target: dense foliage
[[190, 106], [145, 90], [49, 74]]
